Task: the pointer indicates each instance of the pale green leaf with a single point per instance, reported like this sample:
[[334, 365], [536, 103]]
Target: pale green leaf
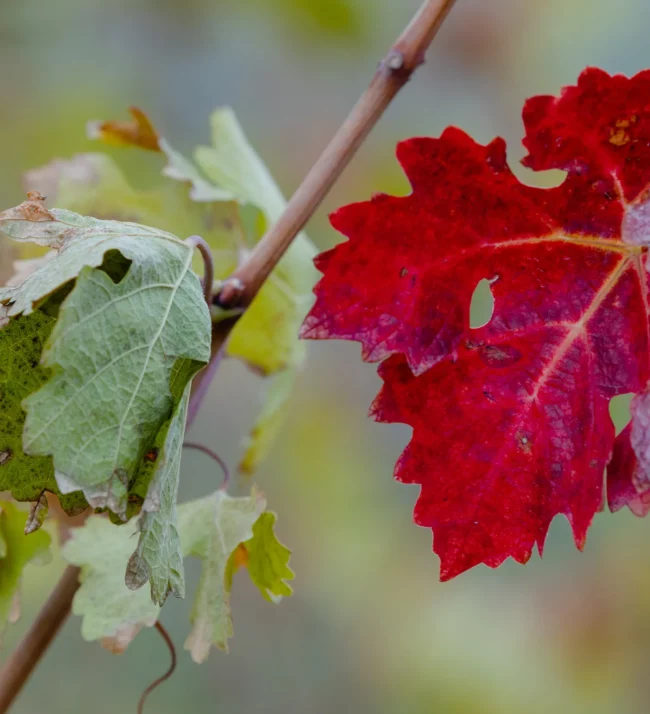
[[267, 335], [158, 557], [17, 550], [268, 559], [181, 169], [111, 612], [211, 528], [232, 164], [114, 345]]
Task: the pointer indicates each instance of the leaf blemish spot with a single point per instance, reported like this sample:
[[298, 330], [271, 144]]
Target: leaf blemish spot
[[5, 456], [500, 355], [152, 456], [619, 134], [524, 442]]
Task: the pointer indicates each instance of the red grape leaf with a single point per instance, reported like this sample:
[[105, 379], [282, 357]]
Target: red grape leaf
[[510, 421], [625, 482]]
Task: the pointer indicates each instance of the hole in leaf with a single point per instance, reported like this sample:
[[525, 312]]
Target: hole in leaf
[[619, 411], [481, 307], [115, 265], [52, 303]]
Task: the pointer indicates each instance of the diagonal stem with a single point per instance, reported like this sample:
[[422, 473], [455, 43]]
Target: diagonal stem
[[35, 643]]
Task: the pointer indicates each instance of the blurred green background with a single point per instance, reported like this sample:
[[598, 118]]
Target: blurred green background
[[370, 629]]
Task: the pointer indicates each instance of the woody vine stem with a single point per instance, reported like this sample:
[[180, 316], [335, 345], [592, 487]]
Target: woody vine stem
[[238, 291]]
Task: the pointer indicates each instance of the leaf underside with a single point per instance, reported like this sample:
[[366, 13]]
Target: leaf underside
[[112, 349], [510, 420], [111, 612], [107, 393]]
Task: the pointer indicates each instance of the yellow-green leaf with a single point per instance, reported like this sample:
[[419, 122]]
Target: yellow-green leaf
[[268, 560], [212, 528]]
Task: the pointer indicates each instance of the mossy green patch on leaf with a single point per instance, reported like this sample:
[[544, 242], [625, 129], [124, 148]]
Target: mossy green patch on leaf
[[21, 374]]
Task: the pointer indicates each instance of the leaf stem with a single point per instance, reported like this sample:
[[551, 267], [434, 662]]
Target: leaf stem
[[35, 643], [213, 455], [393, 73], [172, 667], [203, 379], [208, 262]]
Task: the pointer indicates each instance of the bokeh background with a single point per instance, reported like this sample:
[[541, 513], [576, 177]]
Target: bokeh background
[[370, 629]]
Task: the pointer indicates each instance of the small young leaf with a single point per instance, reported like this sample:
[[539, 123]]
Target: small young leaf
[[212, 528], [181, 169], [268, 560], [17, 550], [111, 612]]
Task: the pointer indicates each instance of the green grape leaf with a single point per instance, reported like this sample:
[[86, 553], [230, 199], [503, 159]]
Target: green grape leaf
[[105, 403], [16, 551], [158, 557], [212, 528], [111, 612], [268, 560], [21, 344], [181, 169], [266, 335]]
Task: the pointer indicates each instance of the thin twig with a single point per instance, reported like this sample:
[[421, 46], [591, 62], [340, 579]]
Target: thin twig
[[172, 651], [393, 73], [213, 455], [33, 646], [203, 379], [208, 263]]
